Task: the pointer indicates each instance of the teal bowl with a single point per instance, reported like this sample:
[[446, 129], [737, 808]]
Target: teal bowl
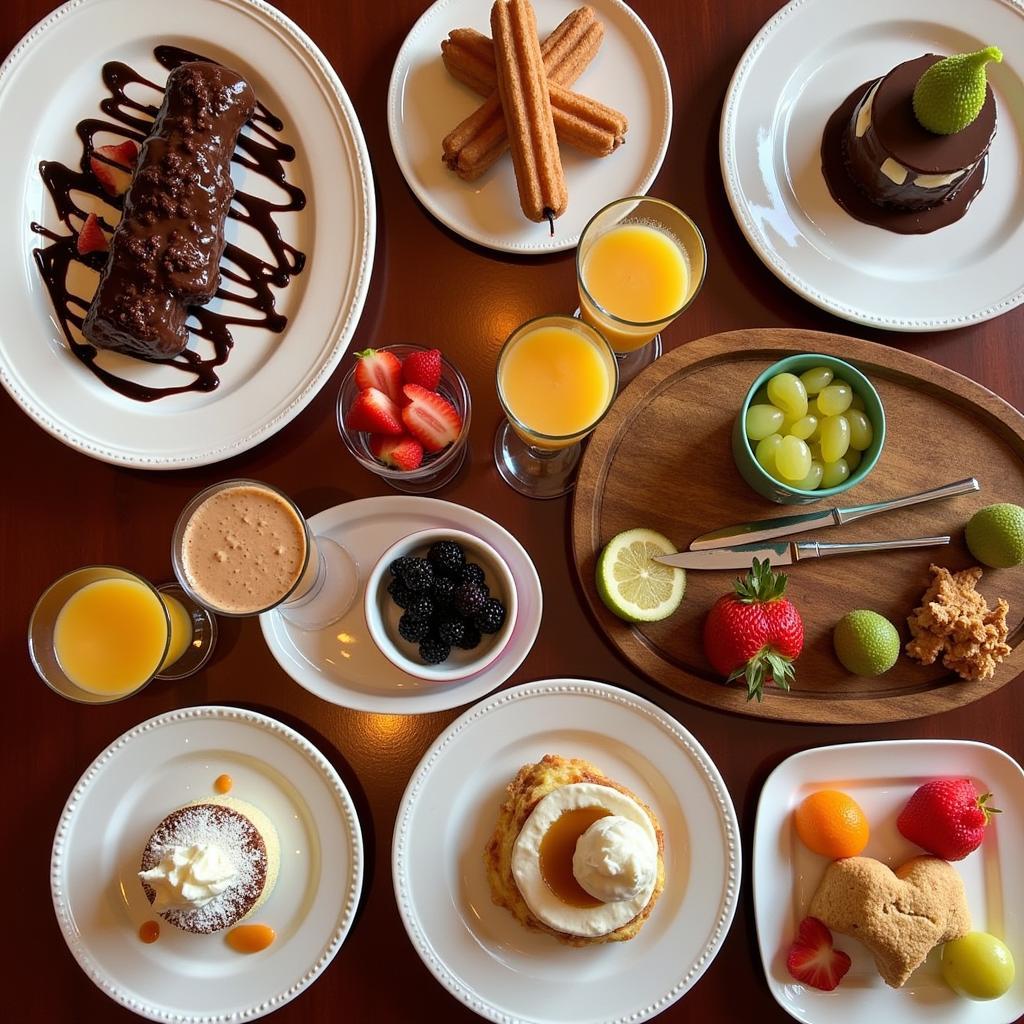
[[767, 486]]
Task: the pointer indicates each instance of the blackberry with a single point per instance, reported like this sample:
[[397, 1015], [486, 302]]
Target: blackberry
[[447, 558], [417, 574], [469, 599], [400, 593], [472, 573], [442, 590], [451, 631], [397, 567], [413, 629], [491, 617], [470, 637], [421, 606], [433, 652]]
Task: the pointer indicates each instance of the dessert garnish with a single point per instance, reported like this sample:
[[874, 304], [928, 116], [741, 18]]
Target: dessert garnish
[[149, 931], [995, 535], [899, 915], [755, 632], [950, 94], [947, 817], [955, 622], [250, 938], [631, 584], [832, 823], [813, 960], [222, 784], [978, 966], [866, 643]]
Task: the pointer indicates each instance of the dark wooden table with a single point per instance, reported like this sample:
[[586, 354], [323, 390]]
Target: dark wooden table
[[61, 509]]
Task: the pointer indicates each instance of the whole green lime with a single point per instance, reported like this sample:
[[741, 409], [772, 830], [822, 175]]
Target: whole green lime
[[866, 643], [995, 535]]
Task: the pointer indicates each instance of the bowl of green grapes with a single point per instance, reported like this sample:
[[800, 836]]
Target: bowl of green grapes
[[811, 426]]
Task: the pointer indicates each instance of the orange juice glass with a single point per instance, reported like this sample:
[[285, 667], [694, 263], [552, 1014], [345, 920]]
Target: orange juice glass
[[639, 264], [556, 379]]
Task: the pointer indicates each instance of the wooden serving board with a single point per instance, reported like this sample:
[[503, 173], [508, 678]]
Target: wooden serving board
[[661, 459]]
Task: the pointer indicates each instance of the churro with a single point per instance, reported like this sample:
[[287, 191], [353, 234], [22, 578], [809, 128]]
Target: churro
[[523, 88]]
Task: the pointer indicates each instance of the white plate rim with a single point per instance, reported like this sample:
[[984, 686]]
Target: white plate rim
[[634, 703], [441, 214], [344, 326], [102, 979], [727, 154]]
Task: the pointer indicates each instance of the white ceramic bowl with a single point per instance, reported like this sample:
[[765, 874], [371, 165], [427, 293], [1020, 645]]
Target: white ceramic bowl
[[382, 614]]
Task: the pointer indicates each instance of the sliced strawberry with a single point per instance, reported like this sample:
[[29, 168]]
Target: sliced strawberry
[[431, 419], [91, 237], [377, 368], [403, 452], [813, 960], [423, 368], [373, 411], [113, 166]]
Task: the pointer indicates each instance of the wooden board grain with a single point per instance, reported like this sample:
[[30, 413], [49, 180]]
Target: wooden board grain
[[662, 459]]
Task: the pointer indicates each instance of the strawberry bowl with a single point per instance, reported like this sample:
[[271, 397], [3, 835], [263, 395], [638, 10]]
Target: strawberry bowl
[[407, 432]]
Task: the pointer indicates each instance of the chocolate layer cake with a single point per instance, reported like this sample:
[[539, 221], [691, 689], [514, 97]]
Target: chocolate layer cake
[[165, 254]]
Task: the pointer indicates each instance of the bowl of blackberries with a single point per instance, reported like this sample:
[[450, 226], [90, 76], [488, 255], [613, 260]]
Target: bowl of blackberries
[[440, 604]]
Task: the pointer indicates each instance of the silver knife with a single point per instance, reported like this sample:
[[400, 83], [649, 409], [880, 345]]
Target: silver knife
[[786, 552], [766, 529]]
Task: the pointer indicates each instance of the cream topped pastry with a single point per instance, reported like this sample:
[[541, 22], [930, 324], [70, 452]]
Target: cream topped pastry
[[188, 877]]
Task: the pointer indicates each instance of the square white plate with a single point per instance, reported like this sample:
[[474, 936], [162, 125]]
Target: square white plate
[[881, 777]]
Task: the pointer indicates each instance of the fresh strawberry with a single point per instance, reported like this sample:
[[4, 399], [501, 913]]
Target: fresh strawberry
[[431, 419], [380, 369], [947, 817], [403, 452], [373, 411], [813, 960], [423, 368], [115, 179], [91, 237], [755, 632]]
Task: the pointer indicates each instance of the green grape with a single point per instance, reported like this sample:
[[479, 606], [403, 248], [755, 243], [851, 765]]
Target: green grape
[[835, 473], [978, 965], [857, 403], [763, 420], [835, 399], [812, 481], [852, 457], [835, 437], [786, 392], [861, 431], [805, 427], [793, 459], [766, 450], [815, 379]]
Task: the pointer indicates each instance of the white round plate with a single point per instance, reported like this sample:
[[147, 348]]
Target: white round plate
[[479, 951], [805, 61], [269, 378], [425, 103], [152, 769], [342, 664]]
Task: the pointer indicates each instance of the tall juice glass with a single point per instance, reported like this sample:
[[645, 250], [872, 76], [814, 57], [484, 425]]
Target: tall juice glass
[[557, 377], [639, 264]]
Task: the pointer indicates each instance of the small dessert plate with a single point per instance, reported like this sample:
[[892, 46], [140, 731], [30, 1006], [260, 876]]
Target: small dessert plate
[[798, 69], [881, 777], [343, 665], [481, 953], [425, 103], [162, 764]]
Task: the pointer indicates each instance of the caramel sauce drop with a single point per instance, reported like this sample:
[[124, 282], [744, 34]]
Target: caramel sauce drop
[[223, 783], [556, 850], [251, 938], [149, 931]]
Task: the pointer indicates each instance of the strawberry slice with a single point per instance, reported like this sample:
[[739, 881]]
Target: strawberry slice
[[113, 166], [423, 368], [813, 960], [373, 411], [91, 237], [377, 368], [403, 452], [431, 419]]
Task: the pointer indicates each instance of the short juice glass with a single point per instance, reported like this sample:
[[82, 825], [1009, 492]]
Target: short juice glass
[[556, 379], [241, 548], [640, 262]]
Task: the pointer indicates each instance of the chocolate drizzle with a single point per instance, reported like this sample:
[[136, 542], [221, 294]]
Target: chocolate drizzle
[[246, 279]]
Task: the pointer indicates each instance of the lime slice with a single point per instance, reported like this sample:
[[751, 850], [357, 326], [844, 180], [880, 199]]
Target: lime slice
[[632, 584]]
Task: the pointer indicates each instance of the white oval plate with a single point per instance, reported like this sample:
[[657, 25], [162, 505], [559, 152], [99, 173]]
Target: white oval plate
[[799, 68], [479, 951], [425, 103], [269, 378], [881, 777], [157, 766], [343, 665]]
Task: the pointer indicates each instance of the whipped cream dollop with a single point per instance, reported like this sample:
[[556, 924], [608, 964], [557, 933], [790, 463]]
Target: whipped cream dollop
[[615, 859], [189, 877]]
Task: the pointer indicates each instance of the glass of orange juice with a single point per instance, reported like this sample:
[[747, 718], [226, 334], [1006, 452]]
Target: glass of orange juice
[[557, 377], [640, 263]]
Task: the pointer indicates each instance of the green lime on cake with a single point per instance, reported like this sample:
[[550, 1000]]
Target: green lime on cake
[[949, 96], [632, 584], [995, 535], [866, 643]]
